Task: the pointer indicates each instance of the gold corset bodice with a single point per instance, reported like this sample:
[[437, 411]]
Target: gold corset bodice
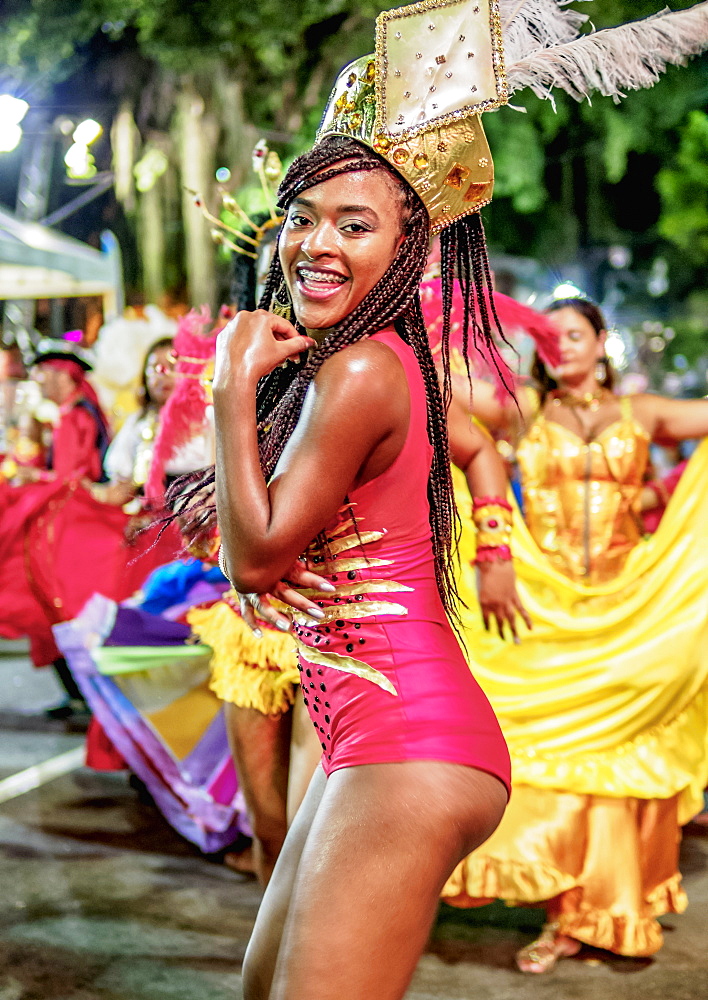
[[581, 498]]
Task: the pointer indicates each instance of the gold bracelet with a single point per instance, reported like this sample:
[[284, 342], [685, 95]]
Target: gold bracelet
[[222, 564], [491, 539]]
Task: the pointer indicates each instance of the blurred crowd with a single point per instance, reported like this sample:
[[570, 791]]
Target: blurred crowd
[[149, 643]]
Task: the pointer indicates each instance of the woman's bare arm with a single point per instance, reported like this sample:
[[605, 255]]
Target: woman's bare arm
[[474, 453], [671, 420], [352, 425]]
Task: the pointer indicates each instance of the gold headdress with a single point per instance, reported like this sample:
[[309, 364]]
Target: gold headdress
[[418, 101], [268, 169]]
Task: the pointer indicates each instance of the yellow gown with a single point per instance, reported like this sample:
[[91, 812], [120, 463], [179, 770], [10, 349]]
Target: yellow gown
[[605, 703]]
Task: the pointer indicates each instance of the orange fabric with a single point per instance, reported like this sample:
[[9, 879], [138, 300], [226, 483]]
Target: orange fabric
[[605, 867]]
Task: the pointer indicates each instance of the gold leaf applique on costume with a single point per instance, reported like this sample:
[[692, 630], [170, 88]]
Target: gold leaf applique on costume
[[350, 612], [347, 664], [351, 604]]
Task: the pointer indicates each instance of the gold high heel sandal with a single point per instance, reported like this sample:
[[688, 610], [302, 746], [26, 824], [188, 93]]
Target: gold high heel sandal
[[545, 951]]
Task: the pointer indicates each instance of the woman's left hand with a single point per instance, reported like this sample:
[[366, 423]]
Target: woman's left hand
[[498, 597], [261, 604]]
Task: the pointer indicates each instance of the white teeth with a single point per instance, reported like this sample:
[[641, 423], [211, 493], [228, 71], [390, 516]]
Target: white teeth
[[320, 276]]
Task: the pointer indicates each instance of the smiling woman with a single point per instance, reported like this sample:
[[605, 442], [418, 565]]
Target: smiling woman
[[334, 458], [334, 249], [608, 742], [334, 493]]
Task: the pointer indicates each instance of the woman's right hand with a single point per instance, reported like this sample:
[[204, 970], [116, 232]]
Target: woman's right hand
[[253, 344], [499, 599]]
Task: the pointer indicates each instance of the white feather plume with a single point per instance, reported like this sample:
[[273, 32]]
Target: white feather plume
[[530, 25], [612, 61]]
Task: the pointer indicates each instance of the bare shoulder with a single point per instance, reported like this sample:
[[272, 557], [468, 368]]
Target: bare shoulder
[[369, 369], [646, 406]]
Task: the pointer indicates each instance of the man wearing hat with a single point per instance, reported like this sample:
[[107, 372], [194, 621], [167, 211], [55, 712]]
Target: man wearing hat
[[80, 437]]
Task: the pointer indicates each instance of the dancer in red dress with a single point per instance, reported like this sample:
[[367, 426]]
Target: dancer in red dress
[[79, 441]]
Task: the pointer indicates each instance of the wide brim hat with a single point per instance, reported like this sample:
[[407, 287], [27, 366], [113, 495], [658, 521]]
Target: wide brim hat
[[51, 349]]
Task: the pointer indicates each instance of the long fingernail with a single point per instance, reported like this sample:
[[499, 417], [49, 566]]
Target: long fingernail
[[258, 634], [516, 640], [328, 588], [283, 626], [317, 613]]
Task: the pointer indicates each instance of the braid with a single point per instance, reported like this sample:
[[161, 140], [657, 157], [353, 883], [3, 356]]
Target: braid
[[463, 254], [444, 520]]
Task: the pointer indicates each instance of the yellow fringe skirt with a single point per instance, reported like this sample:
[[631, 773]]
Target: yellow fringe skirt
[[247, 671]]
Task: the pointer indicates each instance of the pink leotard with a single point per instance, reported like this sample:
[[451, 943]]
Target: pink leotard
[[383, 676]]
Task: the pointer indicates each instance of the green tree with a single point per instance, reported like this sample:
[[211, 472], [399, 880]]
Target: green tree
[[683, 186], [571, 182]]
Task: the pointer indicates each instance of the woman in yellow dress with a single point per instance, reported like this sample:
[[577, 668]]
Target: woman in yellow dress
[[605, 703]]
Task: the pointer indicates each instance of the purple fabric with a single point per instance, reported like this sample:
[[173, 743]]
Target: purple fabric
[[201, 593], [198, 796], [133, 627]]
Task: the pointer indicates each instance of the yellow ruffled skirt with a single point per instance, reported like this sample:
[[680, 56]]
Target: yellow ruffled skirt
[[247, 671], [605, 710]]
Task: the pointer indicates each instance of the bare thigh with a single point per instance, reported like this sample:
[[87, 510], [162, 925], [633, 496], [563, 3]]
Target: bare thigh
[[263, 948], [381, 843]]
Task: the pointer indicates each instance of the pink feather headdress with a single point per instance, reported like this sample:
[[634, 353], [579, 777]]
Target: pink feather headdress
[[514, 319], [184, 414]]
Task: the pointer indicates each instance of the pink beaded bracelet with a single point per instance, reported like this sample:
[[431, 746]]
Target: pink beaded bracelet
[[479, 502], [496, 553]]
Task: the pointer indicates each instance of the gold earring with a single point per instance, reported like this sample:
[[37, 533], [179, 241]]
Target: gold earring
[[280, 304]]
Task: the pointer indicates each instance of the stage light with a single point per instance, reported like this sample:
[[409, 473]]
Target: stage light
[[12, 111], [567, 290], [10, 136], [87, 132], [79, 162]]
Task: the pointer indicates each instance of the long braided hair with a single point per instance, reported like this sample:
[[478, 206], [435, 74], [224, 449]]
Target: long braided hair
[[394, 301]]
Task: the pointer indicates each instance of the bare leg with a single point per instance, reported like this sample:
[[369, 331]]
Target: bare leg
[[305, 753], [383, 840], [262, 952], [260, 747]]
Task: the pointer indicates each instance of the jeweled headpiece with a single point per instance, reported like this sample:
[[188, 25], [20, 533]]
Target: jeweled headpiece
[[249, 236], [418, 101]]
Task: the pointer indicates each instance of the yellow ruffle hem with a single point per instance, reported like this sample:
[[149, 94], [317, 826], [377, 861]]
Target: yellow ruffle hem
[[608, 864], [604, 706], [247, 671]]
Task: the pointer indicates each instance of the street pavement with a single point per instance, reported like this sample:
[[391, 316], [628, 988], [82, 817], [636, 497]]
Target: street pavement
[[101, 900]]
